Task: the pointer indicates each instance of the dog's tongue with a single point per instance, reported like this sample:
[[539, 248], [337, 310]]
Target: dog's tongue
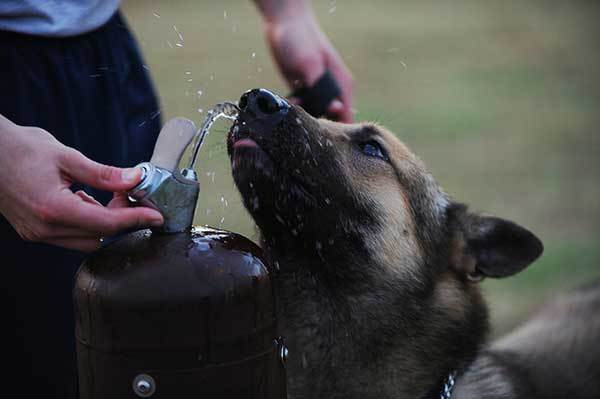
[[246, 142]]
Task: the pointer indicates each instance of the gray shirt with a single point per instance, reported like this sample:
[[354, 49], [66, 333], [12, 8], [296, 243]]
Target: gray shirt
[[58, 18]]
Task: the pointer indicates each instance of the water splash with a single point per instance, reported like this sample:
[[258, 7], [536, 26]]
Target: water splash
[[227, 110]]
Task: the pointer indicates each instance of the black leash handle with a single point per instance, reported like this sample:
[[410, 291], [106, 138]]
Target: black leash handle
[[316, 99]]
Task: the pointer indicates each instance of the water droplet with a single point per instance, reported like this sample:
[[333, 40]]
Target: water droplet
[[178, 33]]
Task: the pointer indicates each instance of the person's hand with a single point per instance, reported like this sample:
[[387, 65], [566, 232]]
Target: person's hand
[[36, 172], [303, 53]]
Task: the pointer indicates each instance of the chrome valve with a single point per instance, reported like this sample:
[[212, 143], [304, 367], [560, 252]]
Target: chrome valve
[[164, 187]]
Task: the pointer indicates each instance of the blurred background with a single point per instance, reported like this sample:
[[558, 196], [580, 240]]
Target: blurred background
[[501, 100]]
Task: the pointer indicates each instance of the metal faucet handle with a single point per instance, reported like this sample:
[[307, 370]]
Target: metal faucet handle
[[163, 187], [172, 141]]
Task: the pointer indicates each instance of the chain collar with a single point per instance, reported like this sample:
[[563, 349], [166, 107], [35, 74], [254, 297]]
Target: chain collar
[[449, 382]]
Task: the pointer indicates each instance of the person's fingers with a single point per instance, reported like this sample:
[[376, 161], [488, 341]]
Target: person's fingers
[[59, 230], [336, 110], [77, 243], [345, 81], [344, 78], [62, 231], [343, 109], [105, 221], [119, 200], [87, 198], [345, 114], [104, 177]]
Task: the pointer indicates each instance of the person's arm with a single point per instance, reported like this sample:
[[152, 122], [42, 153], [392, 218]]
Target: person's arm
[[36, 172], [303, 52]]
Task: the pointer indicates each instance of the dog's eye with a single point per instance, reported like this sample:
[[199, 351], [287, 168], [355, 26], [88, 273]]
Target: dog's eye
[[373, 149]]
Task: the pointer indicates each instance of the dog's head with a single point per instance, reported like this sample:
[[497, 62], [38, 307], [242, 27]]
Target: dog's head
[[316, 187], [385, 255]]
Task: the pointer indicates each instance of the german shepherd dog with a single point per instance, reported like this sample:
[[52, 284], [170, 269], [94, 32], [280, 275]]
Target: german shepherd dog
[[378, 270]]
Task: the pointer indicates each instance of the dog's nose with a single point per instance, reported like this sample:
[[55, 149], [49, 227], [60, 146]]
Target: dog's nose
[[262, 106]]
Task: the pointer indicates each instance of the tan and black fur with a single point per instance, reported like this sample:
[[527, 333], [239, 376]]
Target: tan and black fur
[[377, 287]]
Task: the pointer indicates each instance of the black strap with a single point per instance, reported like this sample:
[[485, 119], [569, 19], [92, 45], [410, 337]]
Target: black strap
[[316, 99]]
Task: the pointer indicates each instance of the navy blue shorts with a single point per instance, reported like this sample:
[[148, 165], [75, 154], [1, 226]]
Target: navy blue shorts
[[93, 93]]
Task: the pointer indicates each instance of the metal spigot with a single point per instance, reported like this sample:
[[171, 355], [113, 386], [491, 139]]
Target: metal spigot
[[164, 187]]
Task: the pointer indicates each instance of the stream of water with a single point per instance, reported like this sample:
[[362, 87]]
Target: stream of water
[[227, 110]]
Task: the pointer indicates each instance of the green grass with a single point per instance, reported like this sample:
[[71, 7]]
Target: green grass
[[501, 100], [562, 267]]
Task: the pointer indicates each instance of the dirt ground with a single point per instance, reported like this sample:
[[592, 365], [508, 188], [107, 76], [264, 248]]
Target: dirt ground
[[501, 100]]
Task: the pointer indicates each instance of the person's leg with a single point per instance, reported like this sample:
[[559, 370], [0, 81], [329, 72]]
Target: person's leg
[[92, 93]]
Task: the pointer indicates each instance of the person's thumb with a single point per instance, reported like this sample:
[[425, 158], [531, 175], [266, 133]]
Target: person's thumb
[[104, 177]]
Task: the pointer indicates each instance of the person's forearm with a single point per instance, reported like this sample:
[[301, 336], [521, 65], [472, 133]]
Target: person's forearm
[[5, 125], [275, 10], [9, 148]]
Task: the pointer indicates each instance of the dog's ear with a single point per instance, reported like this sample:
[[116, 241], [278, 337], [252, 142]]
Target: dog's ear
[[486, 246]]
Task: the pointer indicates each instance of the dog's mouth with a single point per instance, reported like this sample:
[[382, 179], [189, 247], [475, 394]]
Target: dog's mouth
[[256, 154], [244, 148], [240, 135], [245, 143]]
